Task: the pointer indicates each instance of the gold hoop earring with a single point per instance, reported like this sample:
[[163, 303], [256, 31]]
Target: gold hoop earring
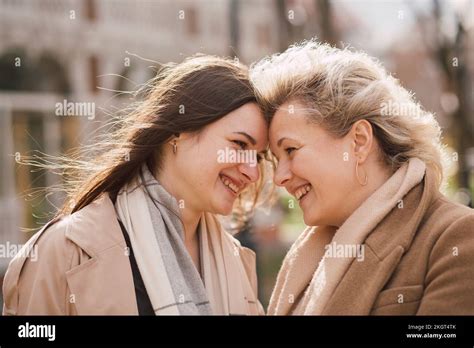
[[366, 179], [175, 147]]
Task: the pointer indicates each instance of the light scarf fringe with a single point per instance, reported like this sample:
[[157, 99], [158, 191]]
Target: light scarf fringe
[[306, 261], [173, 283]]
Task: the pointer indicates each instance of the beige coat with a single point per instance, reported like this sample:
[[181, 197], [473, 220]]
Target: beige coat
[[419, 260], [81, 268]]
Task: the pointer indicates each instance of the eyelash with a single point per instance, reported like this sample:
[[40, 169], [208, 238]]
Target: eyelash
[[243, 145], [289, 152]]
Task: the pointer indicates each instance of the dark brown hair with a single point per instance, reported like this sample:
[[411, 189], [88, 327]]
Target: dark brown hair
[[183, 97]]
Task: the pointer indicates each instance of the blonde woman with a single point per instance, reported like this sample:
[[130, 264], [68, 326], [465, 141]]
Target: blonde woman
[[364, 162], [139, 234]]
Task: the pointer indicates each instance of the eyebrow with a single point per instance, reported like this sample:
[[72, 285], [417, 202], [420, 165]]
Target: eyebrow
[[280, 141], [250, 138]]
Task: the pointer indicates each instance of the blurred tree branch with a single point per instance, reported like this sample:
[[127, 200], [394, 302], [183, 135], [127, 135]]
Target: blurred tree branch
[[322, 26], [451, 56], [234, 10], [327, 30]]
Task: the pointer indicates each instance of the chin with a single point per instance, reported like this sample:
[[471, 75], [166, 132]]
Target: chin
[[223, 212], [227, 209], [311, 220], [222, 208]]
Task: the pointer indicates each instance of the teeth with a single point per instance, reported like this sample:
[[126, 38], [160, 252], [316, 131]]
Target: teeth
[[302, 191], [229, 184]]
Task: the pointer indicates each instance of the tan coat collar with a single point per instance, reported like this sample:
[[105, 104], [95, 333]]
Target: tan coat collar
[[384, 249], [95, 227], [404, 220]]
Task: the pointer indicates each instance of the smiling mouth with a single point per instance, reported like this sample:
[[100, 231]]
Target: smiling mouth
[[302, 191], [229, 184]]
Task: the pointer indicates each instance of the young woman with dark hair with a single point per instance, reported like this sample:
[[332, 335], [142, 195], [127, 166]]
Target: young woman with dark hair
[[139, 233]]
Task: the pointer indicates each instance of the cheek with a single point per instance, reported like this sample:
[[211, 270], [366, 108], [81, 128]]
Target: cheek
[[203, 156], [197, 168], [303, 165], [335, 178], [208, 172], [314, 166], [325, 168]]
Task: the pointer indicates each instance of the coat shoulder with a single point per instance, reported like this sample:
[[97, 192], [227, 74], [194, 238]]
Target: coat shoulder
[[40, 266], [445, 215], [451, 209], [455, 227], [449, 281], [35, 281]]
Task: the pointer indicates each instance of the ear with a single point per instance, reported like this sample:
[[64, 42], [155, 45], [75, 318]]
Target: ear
[[362, 138], [174, 137]]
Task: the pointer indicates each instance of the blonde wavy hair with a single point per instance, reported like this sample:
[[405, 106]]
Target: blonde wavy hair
[[339, 87]]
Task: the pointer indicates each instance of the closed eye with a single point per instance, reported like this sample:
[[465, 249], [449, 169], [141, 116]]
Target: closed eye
[[289, 150], [242, 144]]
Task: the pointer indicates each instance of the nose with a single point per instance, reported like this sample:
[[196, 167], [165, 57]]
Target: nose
[[282, 174], [251, 173]]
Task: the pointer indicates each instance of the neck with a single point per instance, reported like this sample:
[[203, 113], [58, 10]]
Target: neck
[[377, 177], [190, 223], [189, 216]]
